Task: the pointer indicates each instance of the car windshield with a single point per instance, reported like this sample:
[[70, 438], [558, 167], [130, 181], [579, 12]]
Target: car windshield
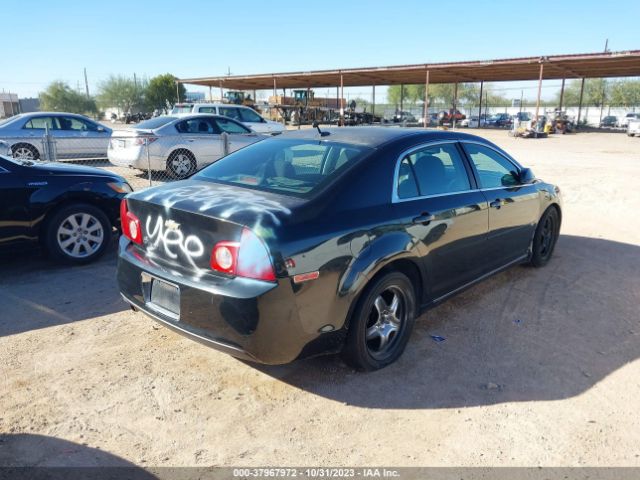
[[286, 166], [155, 122]]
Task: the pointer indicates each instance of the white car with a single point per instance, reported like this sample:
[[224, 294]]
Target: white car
[[629, 117], [245, 115], [633, 127], [179, 145]]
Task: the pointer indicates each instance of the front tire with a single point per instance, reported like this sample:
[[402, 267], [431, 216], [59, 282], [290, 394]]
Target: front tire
[[545, 238], [381, 323], [77, 234], [25, 151]]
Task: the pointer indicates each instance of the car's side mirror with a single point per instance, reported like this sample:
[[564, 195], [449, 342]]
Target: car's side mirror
[[100, 129], [526, 176]]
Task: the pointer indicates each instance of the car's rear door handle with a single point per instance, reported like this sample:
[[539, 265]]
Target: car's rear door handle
[[424, 218], [496, 204]]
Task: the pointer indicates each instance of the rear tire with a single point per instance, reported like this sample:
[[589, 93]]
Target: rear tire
[[545, 238], [77, 234], [381, 323], [181, 163], [25, 151]]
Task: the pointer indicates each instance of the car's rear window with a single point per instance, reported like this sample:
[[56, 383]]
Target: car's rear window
[[287, 166], [155, 122], [185, 108]]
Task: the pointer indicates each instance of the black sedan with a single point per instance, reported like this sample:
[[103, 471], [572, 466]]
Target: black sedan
[[70, 210], [317, 242]]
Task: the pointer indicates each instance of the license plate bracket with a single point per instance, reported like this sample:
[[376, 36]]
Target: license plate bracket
[[161, 296]]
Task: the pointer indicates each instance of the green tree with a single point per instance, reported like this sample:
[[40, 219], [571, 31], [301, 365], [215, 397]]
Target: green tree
[[443, 93], [625, 93], [161, 91], [121, 92], [595, 91], [60, 97]]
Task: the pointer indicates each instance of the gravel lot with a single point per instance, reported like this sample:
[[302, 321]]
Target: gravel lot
[[539, 367]]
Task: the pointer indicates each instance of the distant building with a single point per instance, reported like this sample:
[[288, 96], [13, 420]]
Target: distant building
[[29, 105], [9, 105]]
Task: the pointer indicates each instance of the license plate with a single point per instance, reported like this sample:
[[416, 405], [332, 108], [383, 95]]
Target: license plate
[[119, 143], [161, 296]]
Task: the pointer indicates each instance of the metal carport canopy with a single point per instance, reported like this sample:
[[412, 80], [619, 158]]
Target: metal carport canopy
[[586, 65]]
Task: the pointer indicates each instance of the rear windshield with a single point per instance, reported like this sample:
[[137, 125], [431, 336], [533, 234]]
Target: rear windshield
[[287, 166], [155, 122], [10, 119], [182, 109]]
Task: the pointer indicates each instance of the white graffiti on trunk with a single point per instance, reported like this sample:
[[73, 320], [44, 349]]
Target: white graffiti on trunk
[[226, 200], [173, 241]]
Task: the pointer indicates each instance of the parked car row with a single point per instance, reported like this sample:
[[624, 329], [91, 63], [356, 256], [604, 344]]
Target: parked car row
[[78, 137], [611, 121], [391, 220]]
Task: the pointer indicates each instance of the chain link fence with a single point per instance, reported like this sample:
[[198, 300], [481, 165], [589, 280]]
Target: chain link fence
[[143, 159]]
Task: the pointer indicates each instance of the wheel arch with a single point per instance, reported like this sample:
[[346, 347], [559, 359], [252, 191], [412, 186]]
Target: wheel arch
[[405, 264], [66, 202], [24, 143]]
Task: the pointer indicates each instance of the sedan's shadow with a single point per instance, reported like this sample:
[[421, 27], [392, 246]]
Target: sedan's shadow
[[36, 292], [24, 455], [526, 334]]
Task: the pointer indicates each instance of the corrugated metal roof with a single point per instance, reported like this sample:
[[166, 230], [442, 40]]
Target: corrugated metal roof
[[586, 65]]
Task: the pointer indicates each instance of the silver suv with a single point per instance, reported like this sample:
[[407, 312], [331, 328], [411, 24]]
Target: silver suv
[[245, 115]]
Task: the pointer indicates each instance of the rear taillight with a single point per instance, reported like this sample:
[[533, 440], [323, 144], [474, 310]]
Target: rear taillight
[[131, 227], [145, 140], [247, 258]]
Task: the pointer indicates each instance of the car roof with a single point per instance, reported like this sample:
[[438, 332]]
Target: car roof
[[182, 116], [213, 104], [376, 136], [30, 114]]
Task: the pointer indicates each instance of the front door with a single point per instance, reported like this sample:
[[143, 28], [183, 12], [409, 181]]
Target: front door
[[15, 216], [444, 213]]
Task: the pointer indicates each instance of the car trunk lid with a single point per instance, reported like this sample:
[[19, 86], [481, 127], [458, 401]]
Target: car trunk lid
[[182, 221]]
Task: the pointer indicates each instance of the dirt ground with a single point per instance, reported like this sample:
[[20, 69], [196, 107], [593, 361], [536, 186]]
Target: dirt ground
[[539, 367]]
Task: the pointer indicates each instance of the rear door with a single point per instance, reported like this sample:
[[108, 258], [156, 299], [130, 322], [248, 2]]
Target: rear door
[[35, 129], [202, 137], [443, 211], [81, 138], [514, 208], [239, 135]]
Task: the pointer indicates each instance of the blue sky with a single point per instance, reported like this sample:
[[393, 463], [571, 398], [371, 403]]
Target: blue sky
[[201, 38]]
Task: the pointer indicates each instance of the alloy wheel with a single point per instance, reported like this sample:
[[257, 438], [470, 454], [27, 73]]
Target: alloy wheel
[[180, 164], [386, 318], [80, 235], [546, 236], [24, 153]]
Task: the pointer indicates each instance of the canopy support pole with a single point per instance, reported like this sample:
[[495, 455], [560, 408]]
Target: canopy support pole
[[426, 99], [580, 103], [539, 92], [480, 106]]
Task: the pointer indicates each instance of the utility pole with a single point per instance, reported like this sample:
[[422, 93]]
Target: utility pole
[[86, 82]]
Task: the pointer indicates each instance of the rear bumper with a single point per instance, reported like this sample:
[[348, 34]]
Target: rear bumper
[[248, 319], [220, 345]]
